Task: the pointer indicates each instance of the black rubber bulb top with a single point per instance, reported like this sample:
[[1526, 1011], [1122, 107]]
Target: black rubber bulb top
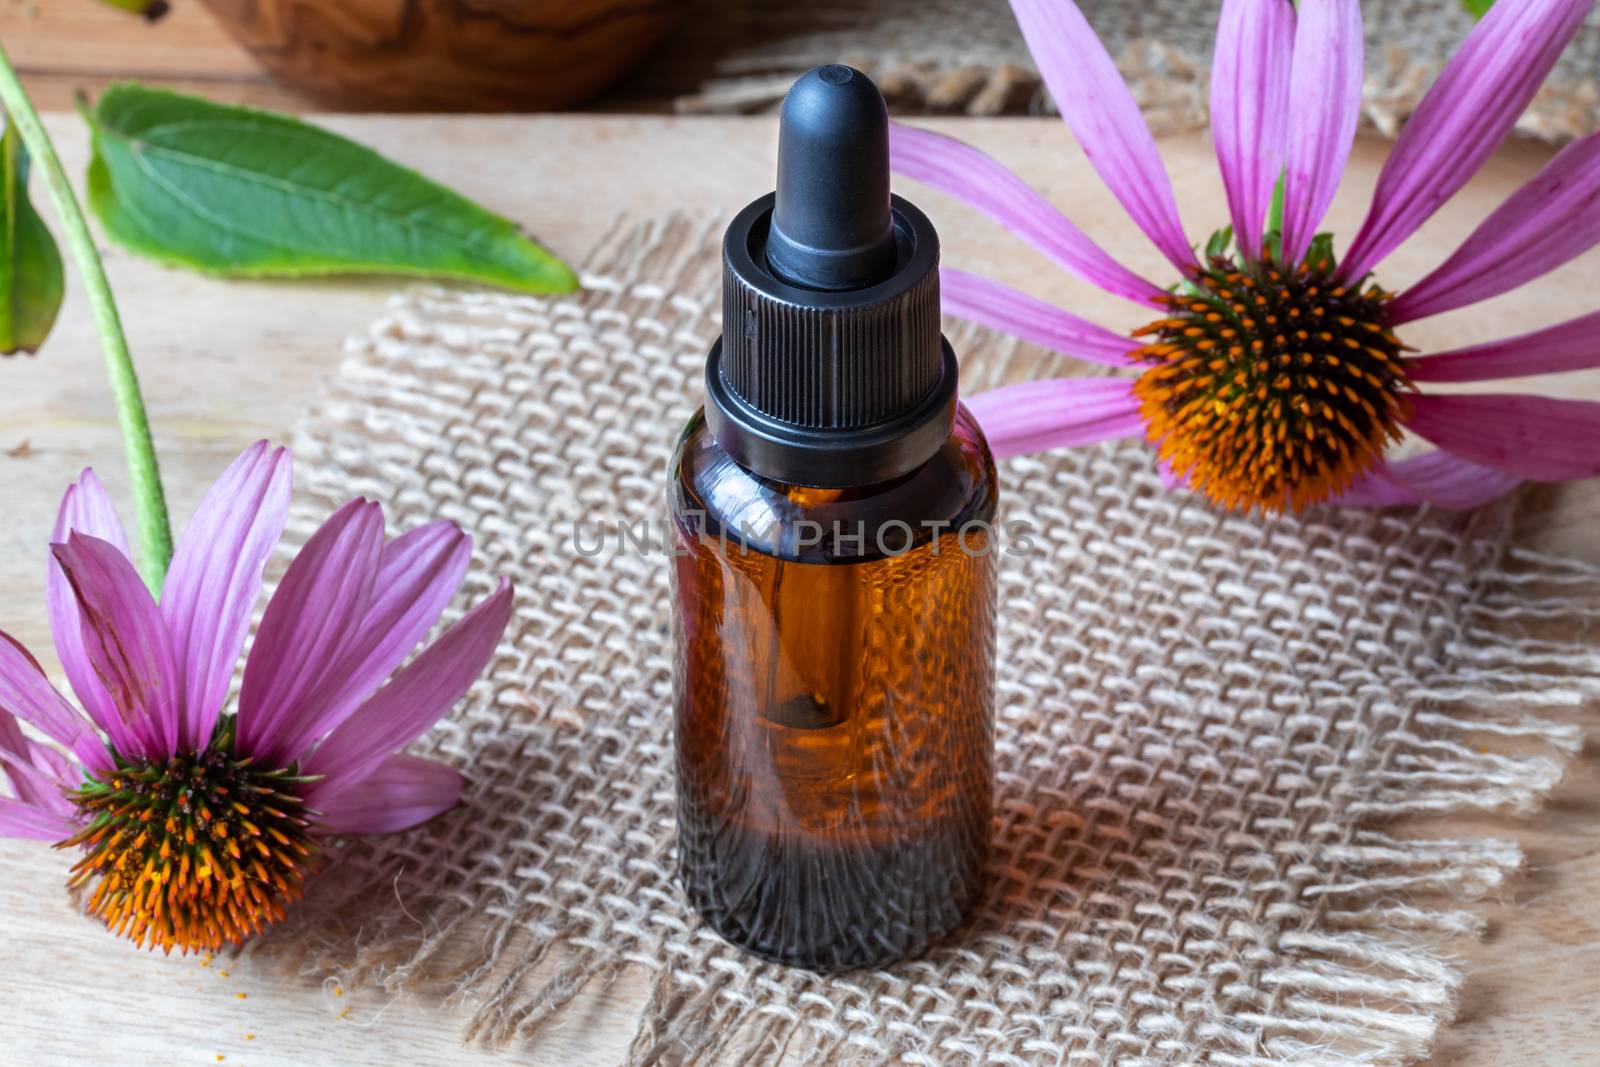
[[831, 225]]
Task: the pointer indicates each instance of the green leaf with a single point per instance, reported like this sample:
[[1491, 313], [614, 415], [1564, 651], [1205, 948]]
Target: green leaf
[[31, 279], [1272, 239], [1320, 255], [1477, 8], [1219, 243], [236, 191]]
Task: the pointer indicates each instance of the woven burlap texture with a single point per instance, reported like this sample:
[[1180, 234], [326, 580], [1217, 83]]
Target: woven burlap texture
[[1207, 725], [968, 56]]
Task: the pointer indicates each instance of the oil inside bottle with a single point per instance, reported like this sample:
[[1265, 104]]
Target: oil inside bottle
[[834, 727]]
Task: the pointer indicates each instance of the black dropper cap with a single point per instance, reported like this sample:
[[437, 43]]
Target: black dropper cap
[[831, 370]]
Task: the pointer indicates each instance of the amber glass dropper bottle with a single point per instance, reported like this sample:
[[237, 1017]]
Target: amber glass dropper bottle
[[834, 579]]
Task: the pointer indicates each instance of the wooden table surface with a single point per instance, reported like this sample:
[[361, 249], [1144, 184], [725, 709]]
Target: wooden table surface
[[63, 46], [224, 363]]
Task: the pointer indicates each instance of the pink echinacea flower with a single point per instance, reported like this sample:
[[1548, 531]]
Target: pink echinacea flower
[[197, 827], [1274, 377]]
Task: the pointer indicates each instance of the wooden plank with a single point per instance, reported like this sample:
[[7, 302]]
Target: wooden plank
[[87, 35], [60, 47], [63, 47], [225, 362]]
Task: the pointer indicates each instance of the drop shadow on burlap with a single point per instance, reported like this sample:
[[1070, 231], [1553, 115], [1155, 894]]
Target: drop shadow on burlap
[[1207, 727]]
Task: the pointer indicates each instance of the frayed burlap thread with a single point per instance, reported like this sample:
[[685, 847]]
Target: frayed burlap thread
[[1214, 732]]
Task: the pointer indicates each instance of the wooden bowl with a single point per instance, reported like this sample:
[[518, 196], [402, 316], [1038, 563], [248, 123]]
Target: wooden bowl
[[463, 55]]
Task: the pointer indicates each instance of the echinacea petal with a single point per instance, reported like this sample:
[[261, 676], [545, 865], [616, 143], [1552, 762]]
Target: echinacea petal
[[401, 792], [418, 573], [982, 182], [1056, 413], [11, 736], [86, 508], [1465, 115], [27, 694], [1376, 489], [215, 580], [1250, 109], [127, 644], [413, 700], [32, 784], [308, 622], [1325, 86], [989, 303], [1569, 346], [61, 768], [1553, 219], [45, 757], [1534, 437], [1086, 86], [1447, 480], [38, 775], [20, 819], [1170, 479], [1440, 478]]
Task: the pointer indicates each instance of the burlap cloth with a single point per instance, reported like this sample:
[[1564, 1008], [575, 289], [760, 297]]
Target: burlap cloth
[[968, 56], [1208, 727]]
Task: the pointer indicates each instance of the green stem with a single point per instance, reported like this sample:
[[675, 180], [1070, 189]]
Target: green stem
[[150, 503]]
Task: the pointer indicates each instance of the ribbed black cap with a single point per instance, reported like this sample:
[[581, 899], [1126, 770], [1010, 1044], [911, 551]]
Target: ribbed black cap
[[831, 370]]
